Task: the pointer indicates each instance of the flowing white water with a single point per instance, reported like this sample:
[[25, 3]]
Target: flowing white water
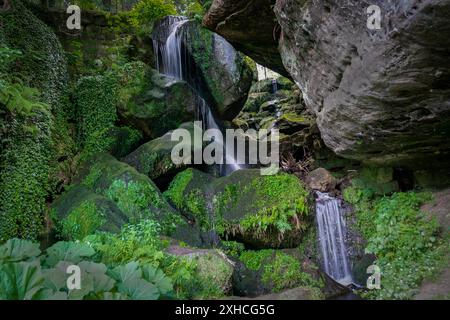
[[171, 61], [332, 230]]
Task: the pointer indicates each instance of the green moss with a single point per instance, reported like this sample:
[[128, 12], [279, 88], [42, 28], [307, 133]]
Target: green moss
[[294, 117], [175, 192], [27, 141], [275, 209], [280, 271], [96, 98], [82, 221], [246, 204], [215, 274]]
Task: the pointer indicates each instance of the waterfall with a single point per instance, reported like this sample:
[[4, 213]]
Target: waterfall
[[332, 230], [171, 60]]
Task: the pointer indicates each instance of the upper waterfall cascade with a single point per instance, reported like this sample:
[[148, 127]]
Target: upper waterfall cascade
[[171, 60], [332, 229]]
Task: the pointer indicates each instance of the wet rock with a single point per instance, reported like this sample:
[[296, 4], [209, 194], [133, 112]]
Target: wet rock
[[250, 26], [321, 180], [379, 95]]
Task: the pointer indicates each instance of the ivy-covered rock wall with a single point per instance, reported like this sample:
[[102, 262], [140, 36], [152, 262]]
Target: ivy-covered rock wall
[[29, 141]]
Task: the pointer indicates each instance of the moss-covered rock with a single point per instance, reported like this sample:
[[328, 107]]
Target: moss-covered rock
[[272, 271], [154, 158], [80, 212], [213, 269], [151, 102], [134, 193], [254, 209]]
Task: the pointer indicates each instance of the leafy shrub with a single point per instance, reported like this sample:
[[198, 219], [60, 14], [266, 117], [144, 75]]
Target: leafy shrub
[[279, 270], [146, 12], [25, 274], [96, 98], [403, 238]]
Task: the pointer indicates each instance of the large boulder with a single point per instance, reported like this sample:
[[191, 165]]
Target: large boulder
[[222, 74], [250, 26], [134, 193], [214, 269], [152, 102], [381, 96], [80, 212], [154, 157], [260, 211]]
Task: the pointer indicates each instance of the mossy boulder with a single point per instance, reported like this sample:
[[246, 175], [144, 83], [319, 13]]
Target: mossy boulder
[[134, 193], [213, 268], [260, 211], [154, 157], [152, 102], [80, 212]]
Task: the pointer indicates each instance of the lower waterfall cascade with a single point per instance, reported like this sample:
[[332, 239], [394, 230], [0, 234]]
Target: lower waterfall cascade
[[332, 229]]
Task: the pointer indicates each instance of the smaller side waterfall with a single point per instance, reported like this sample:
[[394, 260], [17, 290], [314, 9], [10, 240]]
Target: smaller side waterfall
[[332, 231]]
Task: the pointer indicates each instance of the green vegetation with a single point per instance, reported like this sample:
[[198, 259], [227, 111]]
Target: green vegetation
[[403, 238], [274, 209], [32, 84], [280, 271], [84, 220], [29, 275], [177, 188], [146, 12], [96, 98]]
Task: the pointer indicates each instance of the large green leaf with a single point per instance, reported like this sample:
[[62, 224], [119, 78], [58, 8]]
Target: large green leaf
[[68, 251], [127, 272], [21, 281], [101, 282], [15, 250], [158, 278], [139, 289]]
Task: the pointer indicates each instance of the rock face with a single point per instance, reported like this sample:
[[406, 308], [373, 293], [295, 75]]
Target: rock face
[[219, 72], [250, 26], [379, 95]]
